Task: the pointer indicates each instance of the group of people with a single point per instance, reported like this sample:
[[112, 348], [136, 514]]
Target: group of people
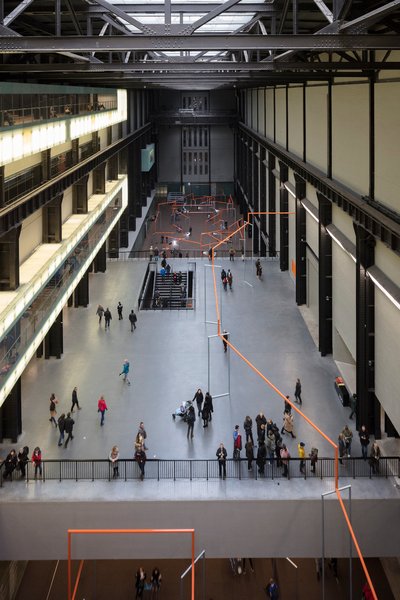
[[141, 584], [19, 462], [226, 278], [139, 453], [345, 441], [100, 312]]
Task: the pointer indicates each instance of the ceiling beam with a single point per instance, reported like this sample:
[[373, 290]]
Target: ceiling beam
[[16, 12], [185, 7], [217, 10], [178, 43], [325, 10], [370, 18], [114, 10], [191, 66]]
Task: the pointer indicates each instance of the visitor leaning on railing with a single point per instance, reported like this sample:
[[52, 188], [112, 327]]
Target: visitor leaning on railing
[[192, 469]]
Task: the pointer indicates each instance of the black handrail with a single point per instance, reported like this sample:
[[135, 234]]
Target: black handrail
[[204, 469]]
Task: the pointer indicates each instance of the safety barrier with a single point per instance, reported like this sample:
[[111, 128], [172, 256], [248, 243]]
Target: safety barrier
[[204, 469]]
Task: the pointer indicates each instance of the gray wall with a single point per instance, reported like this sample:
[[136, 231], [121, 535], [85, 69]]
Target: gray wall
[[279, 528]]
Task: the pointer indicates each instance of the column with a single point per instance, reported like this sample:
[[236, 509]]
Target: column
[[301, 240], [325, 276], [284, 219], [52, 221], [53, 341], [271, 206], [100, 260], [11, 415], [99, 179], [9, 260], [81, 294], [368, 406], [80, 196]]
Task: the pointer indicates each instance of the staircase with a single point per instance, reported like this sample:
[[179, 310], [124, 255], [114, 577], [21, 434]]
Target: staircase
[[168, 294]]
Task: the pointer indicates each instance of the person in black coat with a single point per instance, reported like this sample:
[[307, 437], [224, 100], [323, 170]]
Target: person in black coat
[[260, 420], [249, 455], [208, 404], [297, 392], [68, 427], [75, 399], [261, 457], [221, 455], [23, 459], [199, 400], [248, 429], [107, 318], [9, 464], [191, 418]]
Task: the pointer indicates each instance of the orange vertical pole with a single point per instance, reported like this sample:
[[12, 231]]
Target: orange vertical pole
[[69, 565], [193, 566]]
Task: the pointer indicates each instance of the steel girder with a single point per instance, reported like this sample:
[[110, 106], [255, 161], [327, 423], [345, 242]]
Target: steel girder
[[178, 43]]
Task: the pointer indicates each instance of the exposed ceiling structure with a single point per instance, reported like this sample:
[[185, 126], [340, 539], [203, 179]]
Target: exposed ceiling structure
[[196, 44]]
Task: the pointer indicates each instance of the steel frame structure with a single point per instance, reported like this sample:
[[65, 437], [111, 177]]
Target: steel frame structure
[[162, 44]]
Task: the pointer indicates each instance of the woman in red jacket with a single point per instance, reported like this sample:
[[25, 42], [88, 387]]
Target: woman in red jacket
[[37, 460], [101, 408]]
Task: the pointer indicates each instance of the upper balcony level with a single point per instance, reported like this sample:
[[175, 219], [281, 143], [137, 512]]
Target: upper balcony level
[[32, 122]]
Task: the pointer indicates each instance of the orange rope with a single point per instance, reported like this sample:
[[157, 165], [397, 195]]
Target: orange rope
[[272, 386]]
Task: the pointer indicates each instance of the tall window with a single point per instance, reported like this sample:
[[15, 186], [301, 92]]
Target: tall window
[[195, 153]]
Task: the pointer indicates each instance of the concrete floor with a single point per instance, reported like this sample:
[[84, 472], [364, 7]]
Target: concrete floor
[[168, 353]]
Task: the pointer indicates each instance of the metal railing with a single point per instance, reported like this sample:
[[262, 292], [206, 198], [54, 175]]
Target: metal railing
[[127, 255], [205, 469]]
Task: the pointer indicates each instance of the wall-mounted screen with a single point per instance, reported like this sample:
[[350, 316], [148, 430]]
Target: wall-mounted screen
[[148, 157]]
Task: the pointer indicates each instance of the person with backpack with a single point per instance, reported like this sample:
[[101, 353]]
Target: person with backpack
[[132, 319], [237, 443]]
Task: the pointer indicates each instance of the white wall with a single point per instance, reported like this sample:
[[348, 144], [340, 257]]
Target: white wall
[[387, 135], [296, 133], [280, 99], [66, 205], [31, 235], [316, 119], [269, 108], [350, 136], [344, 297]]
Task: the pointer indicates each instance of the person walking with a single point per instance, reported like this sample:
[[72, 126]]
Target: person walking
[[75, 399], [288, 424], [272, 590], [248, 429], [119, 311], [260, 420], [101, 408], [107, 318], [225, 337], [155, 581], [364, 441], [140, 581], [140, 457], [113, 458], [302, 454], [237, 443], [249, 448], [287, 406], [285, 457], [191, 418], [229, 277], [208, 405], [132, 319], [37, 461], [205, 414], [342, 447], [221, 455], [232, 254], [52, 408], [125, 371], [297, 392], [199, 401], [100, 312], [61, 429], [68, 428], [353, 405], [23, 459], [258, 268]]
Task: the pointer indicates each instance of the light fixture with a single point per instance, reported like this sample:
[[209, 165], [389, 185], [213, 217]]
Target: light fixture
[[342, 241], [290, 188], [385, 284], [310, 208]]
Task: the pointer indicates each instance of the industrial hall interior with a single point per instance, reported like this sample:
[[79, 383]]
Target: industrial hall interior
[[199, 299]]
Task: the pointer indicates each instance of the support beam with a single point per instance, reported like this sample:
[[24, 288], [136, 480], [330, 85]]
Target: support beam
[[301, 243], [361, 23], [178, 43], [325, 276], [213, 13], [284, 219], [16, 12], [325, 10], [114, 10]]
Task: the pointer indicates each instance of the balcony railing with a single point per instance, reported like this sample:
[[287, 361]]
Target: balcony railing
[[190, 469]]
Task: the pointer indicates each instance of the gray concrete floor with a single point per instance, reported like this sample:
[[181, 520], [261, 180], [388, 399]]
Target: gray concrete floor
[[168, 353]]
